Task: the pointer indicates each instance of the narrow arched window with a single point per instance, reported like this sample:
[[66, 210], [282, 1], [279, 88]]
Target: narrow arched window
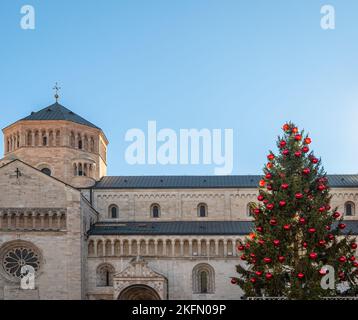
[[349, 209], [250, 209], [155, 210], [46, 171], [202, 210], [105, 275], [203, 279], [203, 282], [113, 211]]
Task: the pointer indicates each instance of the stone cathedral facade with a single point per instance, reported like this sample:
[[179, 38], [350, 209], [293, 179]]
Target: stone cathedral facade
[[92, 236]]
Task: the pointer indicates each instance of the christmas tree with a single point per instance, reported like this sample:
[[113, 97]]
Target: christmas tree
[[296, 232]]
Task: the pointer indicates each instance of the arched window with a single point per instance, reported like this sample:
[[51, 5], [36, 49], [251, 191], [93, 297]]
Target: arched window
[[105, 275], [155, 210], [72, 140], [46, 171], [79, 141], [203, 278], [202, 210], [29, 138], [250, 209], [203, 282], [349, 209], [113, 211]]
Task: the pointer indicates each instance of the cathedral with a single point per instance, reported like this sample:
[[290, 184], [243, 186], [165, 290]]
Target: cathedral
[[90, 236]]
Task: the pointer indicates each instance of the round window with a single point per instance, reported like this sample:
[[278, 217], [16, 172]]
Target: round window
[[14, 257]]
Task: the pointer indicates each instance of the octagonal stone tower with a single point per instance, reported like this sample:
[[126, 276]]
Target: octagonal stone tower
[[60, 143]]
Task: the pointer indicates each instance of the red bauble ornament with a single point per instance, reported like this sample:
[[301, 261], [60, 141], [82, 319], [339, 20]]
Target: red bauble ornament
[[328, 227], [313, 255], [269, 187], [270, 157], [269, 276], [276, 243], [243, 257], [308, 140], [257, 211], [267, 260], [306, 171], [260, 197], [268, 176], [287, 227], [341, 226], [285, 152], [336, 215], [233, 281], [342, 259], [314, 160], [281, 258], [261, 241], [258, 273], [240, 248], [300, 275], [269, 165], [321, 187], [352, 258], [305, 149], [322, 243], [284, 186], [282, 143], [353, 245], [252, 255], [322, 209], [331, 236], [247, 245], [302, 220], [298, 154], [299, 195], [273, 222], [341, 275], [282, 203], [322, 272], [298, 137], [311, 230], [253, 280], [259, 229], [262, 183], [305, 244], [286, 127], [265, 201], [355, 264], [269, 206]]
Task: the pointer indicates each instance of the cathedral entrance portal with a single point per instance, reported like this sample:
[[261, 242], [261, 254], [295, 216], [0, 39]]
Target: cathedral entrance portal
[[139, 282], [138, 292]]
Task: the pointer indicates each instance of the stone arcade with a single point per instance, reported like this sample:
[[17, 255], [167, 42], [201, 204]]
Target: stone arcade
[[92, 236]]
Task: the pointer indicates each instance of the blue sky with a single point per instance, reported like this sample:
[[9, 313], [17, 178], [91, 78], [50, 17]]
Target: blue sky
[[245, 65]]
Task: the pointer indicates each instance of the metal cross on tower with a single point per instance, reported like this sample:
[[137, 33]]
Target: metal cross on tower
[[56, 88]]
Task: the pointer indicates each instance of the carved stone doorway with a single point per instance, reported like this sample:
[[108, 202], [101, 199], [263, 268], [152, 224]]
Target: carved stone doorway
[[139, 282], [139, 292]]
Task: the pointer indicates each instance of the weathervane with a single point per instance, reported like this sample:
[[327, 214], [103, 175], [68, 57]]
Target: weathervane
[[56, 88]]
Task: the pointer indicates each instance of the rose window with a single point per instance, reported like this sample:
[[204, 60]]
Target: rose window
[[15, 258]]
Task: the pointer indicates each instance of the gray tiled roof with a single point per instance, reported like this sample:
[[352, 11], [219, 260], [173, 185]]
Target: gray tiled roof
[[57, 111], [185, 228], [172, 182]]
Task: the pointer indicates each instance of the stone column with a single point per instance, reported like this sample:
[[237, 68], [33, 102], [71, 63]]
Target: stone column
[[225, 248]]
